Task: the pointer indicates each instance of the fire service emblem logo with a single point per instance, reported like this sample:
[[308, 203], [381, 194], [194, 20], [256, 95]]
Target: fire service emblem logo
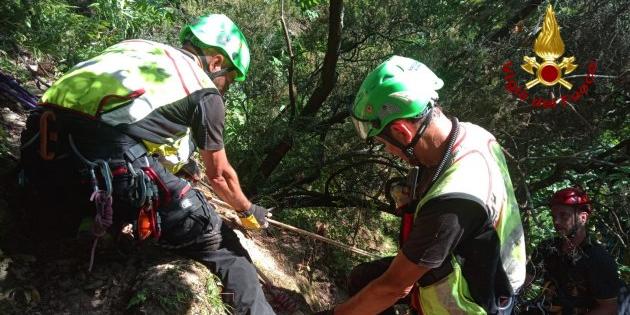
[[549, 47]]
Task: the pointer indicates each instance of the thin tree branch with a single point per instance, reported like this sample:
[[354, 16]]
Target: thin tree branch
[[292, 88], [568, 157], [529, 204], [586, 122], [347, 167], [592, 75], [530, 7]]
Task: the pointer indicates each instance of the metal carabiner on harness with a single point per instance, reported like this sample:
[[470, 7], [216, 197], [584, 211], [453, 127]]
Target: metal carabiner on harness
[[106, 173], [102, 198], [90, 165], [138, 187]]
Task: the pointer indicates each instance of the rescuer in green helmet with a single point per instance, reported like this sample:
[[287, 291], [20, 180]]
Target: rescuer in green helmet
[[218, 32], [393, 92], [464, 252], [125, 121]]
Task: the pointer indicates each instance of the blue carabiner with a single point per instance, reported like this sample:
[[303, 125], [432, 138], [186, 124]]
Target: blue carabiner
[[106, 173]]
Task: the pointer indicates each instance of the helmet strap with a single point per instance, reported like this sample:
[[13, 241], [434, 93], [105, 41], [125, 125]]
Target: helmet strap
[[409, 150], [572, 233], [222, 72], [201, 55]]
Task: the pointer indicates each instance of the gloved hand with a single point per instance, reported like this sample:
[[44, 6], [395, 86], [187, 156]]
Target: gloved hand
[[254, 218]]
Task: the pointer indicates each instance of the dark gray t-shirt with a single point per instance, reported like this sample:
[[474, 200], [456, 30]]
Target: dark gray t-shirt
[[202, 111], [440, 226]]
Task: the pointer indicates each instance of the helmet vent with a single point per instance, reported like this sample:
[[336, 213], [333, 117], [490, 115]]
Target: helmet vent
[[387, 77]]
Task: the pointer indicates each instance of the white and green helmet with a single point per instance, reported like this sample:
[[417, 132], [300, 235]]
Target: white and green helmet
[[398, 88], [218, 31]]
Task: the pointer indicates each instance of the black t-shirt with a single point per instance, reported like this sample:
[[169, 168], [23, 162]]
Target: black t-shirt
[[574, 282], [458, 224]]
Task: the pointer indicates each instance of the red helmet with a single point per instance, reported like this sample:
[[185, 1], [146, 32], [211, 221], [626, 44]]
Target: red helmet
[[571, 197]]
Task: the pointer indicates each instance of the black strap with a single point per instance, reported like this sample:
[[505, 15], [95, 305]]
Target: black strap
[[436, 274], [409, 149], [135, 152], [448, 155], [219, 73]]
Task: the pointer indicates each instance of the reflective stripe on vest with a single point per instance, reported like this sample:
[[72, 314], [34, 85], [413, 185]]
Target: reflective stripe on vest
[[449, 295], [479, 169], [174, 154]]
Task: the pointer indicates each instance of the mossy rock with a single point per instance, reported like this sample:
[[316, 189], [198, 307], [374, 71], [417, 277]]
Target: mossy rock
[[180, 286]]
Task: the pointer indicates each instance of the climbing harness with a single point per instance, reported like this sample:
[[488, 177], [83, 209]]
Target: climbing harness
[[102, 198], [144, 193]]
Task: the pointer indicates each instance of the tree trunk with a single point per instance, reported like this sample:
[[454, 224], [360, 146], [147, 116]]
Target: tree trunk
[[321, 92]]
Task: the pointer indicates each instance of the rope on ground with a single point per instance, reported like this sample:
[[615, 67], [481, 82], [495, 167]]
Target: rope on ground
[[303, 232]]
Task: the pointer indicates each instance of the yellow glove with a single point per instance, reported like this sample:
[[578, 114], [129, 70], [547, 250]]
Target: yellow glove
[[254, 218]]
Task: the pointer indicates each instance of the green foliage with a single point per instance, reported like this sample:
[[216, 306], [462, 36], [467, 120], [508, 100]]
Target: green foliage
[[328, 175], [307, 4], [139, 298], [213, 296], [70, 32], [173, 304]]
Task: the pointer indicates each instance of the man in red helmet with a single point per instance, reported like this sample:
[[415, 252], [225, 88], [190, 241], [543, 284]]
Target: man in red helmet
[[579, 275]]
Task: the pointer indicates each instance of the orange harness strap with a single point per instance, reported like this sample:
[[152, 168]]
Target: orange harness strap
[[45, 135]]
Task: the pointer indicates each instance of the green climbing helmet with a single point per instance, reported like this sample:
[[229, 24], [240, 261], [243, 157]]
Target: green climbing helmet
[[398, 88], [218, 31]]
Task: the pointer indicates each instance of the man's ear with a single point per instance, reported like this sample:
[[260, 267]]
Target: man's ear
[[583, 217], [215, 62], [401, 130]]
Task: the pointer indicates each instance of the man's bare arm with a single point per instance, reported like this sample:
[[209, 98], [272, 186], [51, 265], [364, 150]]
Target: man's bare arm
[[384, 291], [604, 307], [223, 179]]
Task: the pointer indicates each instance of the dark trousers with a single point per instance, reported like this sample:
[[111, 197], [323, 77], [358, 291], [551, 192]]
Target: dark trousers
[[189, 225]]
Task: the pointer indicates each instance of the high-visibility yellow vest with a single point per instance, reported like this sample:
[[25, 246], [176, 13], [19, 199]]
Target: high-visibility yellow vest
[[126, 83], [478, 170]]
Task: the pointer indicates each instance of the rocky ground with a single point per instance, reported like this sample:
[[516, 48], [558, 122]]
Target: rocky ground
[[138, 279]]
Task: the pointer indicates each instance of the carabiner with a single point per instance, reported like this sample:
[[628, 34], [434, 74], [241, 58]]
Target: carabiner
[[106, 173]]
